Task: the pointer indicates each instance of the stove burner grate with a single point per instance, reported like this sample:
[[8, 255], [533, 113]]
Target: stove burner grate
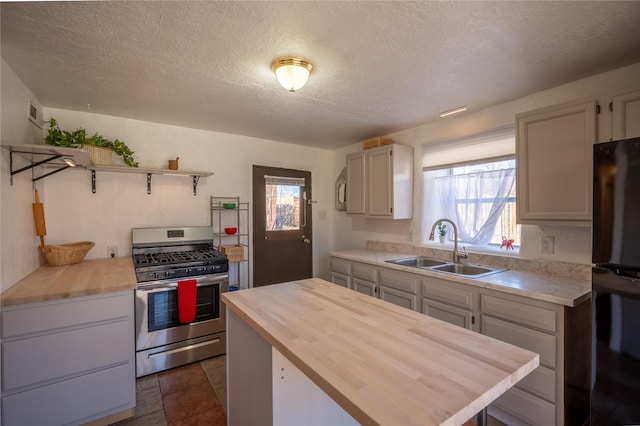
[[167, 258]]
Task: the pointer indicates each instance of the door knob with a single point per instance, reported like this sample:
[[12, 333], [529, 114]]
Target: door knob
[[306, 240]]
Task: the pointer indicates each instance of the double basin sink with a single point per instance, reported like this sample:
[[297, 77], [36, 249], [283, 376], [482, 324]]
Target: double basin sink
[[436, 265]]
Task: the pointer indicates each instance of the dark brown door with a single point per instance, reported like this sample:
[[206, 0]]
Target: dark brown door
[[281, 225]]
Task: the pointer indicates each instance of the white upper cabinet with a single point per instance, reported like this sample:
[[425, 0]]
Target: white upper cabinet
[[384, 188], [355, 183], [554, 154], [626, 115]]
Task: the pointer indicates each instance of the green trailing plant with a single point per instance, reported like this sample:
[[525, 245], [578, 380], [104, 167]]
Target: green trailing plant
[[442, 229], [77, 138]]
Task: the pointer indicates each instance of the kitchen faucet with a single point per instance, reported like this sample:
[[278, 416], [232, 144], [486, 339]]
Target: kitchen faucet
[[456, 254]]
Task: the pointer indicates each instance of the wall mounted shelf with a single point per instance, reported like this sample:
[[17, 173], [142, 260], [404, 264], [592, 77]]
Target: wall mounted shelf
[[50, 156], [149, 172], [46, 155]]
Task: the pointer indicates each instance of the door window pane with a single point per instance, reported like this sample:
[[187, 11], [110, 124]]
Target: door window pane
[[283, 206]]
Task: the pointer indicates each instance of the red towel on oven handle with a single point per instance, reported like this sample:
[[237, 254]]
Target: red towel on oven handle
[[187, 300]]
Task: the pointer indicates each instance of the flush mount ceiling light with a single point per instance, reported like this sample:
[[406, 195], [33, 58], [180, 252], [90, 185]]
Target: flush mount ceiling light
[[453, 111], [69, 162], [292, 73]]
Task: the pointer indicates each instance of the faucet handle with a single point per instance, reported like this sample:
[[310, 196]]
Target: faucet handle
[[463, 253]]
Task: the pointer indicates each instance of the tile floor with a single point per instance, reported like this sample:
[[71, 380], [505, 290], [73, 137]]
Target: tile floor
[[192, 395]]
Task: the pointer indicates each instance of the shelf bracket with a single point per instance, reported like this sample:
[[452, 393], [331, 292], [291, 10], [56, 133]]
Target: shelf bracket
[[195, 184], [93, 181], [32, 165], [148, 183]]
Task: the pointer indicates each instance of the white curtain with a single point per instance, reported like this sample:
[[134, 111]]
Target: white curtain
[[475, 201]]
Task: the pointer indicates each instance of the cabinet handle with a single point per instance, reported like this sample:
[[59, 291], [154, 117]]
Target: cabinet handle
[[473, 319]]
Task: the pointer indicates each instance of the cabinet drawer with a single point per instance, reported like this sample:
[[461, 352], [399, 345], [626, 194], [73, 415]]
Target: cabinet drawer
[[340, 266], [365, 272], [533, 340], [400, 281], [450, 293], [66, 313], [42, 358], [540, 382], [531, 316], [73, 401], [529, 409]]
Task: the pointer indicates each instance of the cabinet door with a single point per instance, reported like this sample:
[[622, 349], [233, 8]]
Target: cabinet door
[[356, 183], [340, 279], [398, 297], [626, 115], [451, 314], [554, 154], [365, 287], [379, 182]]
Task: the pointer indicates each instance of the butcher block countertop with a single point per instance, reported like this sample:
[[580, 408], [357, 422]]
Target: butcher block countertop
[[381, 363], [87, 278]]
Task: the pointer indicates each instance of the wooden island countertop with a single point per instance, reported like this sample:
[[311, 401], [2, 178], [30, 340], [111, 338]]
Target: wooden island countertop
[[86, 278], [381, 363]]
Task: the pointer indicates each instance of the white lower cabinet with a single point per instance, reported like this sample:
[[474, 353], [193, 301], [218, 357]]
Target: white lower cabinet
[[447, 313], [554, 331], [341, 272], [68, 361], [538, 327], [364, 278], [400, 288], [452, 303]]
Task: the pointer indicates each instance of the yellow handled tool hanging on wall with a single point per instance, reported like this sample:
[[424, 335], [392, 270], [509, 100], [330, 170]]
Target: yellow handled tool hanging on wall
[[38, 217]]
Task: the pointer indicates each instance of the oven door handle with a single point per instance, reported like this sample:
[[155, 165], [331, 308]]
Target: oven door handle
[[155, 288]]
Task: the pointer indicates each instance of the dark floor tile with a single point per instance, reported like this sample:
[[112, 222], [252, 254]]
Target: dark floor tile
[[182, 379], [222, 397], [213, 417], [183, 405]]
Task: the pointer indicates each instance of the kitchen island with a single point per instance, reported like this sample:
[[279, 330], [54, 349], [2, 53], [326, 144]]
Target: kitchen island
[[377, 362]]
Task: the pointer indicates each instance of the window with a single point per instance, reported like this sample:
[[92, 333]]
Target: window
[[282, 197], [472, 182]]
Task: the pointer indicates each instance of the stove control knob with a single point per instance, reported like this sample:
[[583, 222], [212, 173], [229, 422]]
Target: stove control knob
[[187, 271], [155, 276], [167, 274]]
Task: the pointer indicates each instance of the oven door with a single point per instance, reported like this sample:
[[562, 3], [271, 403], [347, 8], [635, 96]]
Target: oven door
[[156, 311]]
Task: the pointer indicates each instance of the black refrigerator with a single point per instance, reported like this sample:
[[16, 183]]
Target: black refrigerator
[[615, 346]]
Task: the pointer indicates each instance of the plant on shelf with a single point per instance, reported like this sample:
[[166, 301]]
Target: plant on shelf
[[78, 138]]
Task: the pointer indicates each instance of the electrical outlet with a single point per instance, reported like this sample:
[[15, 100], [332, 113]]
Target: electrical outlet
[[112, 252], [546, 245]]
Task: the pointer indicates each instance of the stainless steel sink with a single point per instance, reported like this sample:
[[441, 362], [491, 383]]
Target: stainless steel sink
[[418, 262], [465, 270], [474, 271]]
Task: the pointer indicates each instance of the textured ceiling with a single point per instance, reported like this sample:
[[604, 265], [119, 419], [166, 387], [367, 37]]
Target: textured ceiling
[[378, 66]]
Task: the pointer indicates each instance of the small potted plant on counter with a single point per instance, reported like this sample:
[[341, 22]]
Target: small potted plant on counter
[[99, 148], [442, 231]]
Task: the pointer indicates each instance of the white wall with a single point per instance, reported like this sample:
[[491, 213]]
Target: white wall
[[74, 213], [571, 244], [18, 242]]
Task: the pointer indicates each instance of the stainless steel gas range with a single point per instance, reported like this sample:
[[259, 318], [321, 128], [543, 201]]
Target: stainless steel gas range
[[179, 317]]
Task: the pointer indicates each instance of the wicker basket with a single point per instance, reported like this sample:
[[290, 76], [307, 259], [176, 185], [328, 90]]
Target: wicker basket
[[376, 142], [100, 155], [67, 254]]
